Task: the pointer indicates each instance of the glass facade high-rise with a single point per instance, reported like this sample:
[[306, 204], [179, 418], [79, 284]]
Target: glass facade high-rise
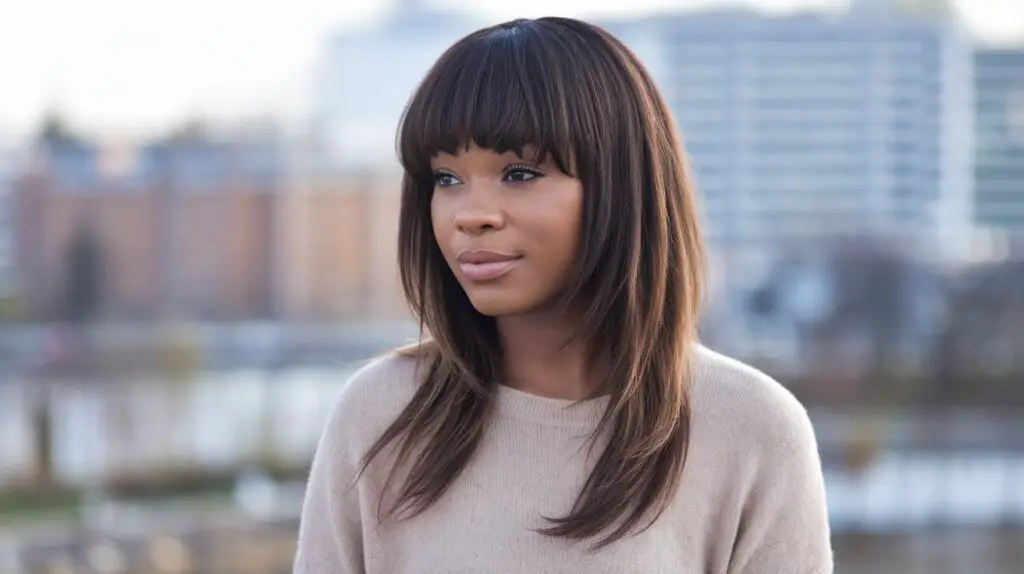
[[999, 159], [809, 125]]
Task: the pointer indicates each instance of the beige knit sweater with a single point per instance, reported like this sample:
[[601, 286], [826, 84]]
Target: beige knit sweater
[[751, 498]]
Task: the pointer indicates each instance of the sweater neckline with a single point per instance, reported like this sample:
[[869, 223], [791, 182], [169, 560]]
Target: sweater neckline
[[516, 404]]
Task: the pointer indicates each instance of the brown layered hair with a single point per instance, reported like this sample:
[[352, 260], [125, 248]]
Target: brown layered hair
[[579, 96]]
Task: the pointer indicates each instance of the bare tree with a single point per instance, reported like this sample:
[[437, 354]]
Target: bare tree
[[883, 304], [976, 354]]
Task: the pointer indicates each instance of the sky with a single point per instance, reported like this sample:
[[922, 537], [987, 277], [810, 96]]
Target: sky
[[128, 66]]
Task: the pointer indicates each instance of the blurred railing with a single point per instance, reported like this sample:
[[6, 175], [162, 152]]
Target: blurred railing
[[148, 428]]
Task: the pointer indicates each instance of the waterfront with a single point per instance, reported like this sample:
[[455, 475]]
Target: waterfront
[[228, 422], [930, 492]]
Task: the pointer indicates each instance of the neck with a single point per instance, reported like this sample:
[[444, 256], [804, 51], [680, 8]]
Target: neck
[[540, 360]]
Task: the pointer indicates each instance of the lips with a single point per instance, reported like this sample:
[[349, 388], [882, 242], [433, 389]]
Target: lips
[[483, 265]]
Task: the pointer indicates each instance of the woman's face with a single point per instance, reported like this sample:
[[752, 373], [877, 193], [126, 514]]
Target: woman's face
[[507, 226]]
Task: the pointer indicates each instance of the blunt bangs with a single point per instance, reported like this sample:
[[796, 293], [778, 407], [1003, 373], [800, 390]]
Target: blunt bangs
[[501, 89]]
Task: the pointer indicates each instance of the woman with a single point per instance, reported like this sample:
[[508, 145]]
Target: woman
[[562, 418]]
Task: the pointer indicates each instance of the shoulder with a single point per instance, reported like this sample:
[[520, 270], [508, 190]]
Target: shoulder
[[732, 399], [382, 384], [757, 441], [371, 399]]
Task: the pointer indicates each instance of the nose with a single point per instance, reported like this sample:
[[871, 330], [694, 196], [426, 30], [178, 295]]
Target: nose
[[481, 211]]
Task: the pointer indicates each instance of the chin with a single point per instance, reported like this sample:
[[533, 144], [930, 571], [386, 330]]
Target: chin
[[498, 304]]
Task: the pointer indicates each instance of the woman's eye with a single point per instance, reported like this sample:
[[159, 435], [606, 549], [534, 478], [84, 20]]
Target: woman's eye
[[521, 175], [442, 179]]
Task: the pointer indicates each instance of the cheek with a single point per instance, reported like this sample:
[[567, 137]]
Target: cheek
[[569, 240], [438, 221], [571, 219], [558, 230]]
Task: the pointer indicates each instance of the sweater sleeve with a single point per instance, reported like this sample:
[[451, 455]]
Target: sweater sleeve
[[784, 527], [330, 533]]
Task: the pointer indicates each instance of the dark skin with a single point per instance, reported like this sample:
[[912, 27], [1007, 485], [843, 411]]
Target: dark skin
[[509, 229]]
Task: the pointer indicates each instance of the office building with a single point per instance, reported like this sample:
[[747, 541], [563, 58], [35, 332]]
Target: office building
[[999, 158], [809, 125]]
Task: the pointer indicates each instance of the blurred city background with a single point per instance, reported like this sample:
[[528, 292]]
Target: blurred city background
[[198, 209]]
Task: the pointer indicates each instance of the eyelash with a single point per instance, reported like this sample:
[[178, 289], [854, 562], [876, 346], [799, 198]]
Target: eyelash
[[514, 168], [523, 168], [441, 174]]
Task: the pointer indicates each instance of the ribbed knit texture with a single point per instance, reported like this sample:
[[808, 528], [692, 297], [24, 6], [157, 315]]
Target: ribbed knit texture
[[751, 499]]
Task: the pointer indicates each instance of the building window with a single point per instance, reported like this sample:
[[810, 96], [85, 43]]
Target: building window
[[1015, 114]]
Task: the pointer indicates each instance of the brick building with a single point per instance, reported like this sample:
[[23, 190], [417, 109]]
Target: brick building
[[194, 234]]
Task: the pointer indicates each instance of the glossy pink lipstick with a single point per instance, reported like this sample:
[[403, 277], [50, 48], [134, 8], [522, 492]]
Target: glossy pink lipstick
[[485, 265]]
